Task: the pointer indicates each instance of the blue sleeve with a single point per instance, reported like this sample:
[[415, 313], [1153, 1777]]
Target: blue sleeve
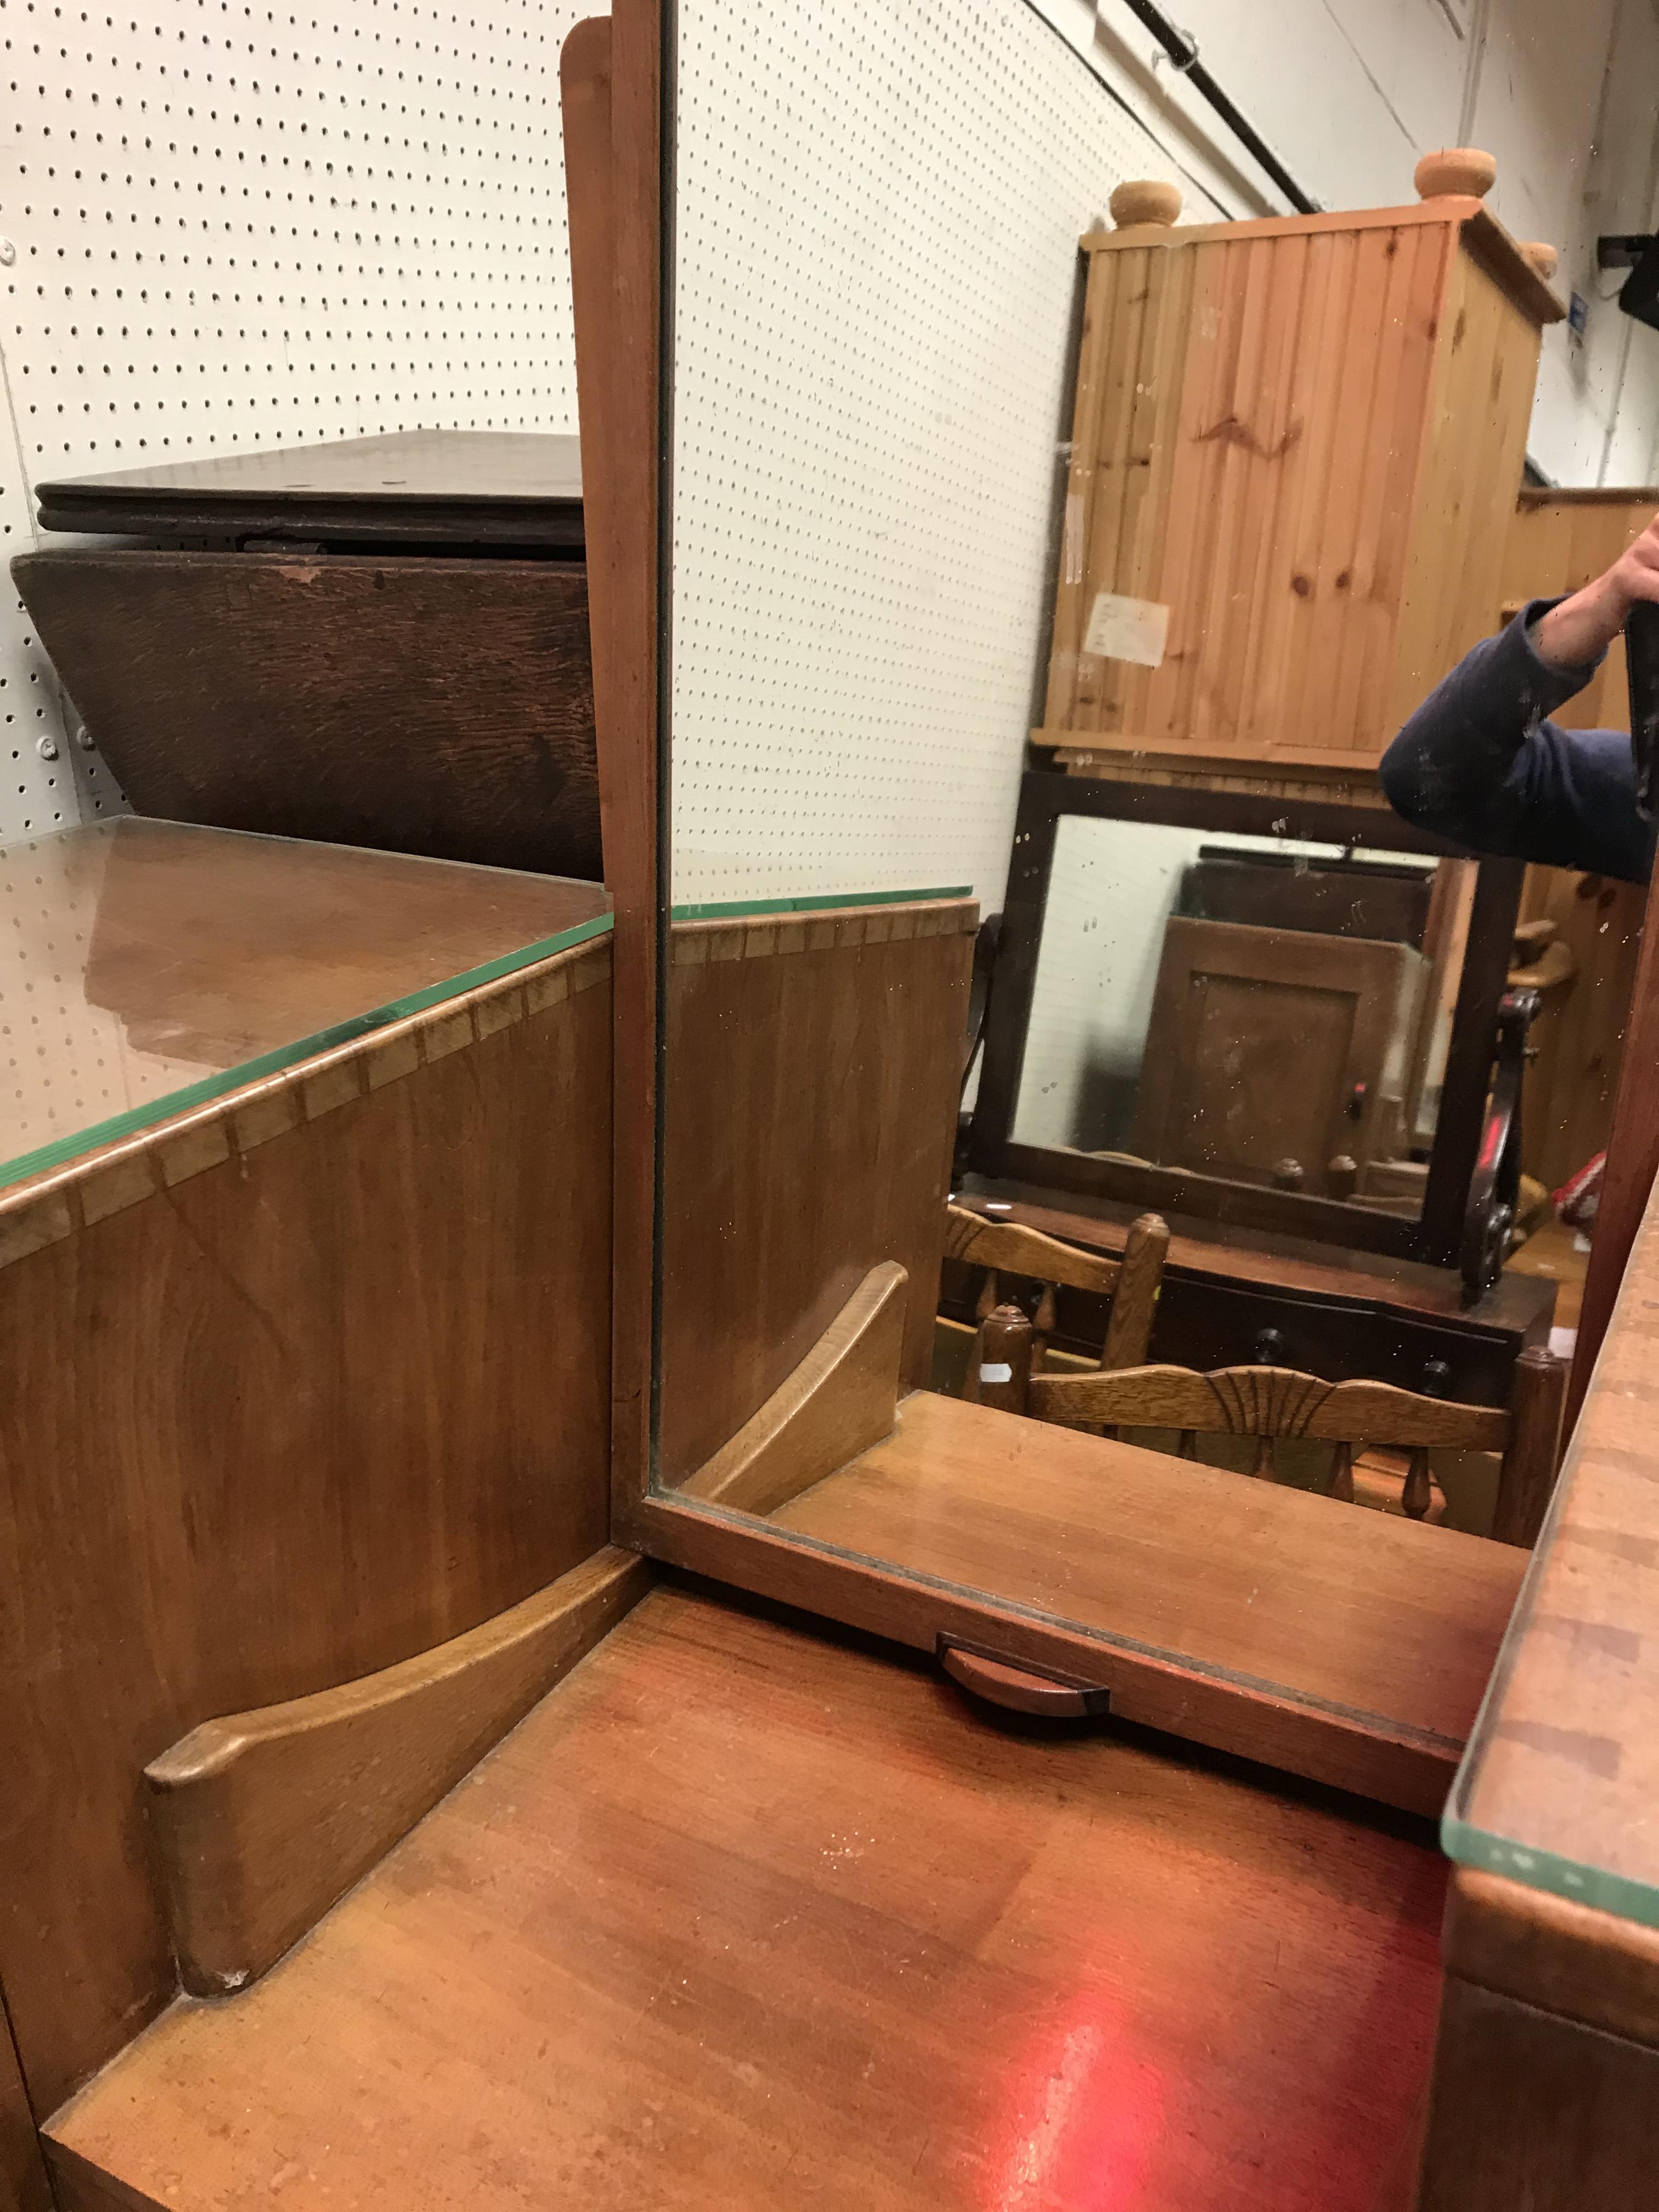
[[1481, 762]]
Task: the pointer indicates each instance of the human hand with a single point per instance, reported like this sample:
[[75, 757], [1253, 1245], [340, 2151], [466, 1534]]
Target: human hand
[[1584, 626]]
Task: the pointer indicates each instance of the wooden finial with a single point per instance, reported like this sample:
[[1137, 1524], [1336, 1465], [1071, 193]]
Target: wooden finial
[[1542, 258], [1460, 172], [1144, 199]]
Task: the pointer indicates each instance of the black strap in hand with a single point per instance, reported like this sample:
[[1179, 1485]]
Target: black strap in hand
[[1642, 647]]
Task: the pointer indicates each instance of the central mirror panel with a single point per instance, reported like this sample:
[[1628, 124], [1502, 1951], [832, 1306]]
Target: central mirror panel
[[999, 1058]]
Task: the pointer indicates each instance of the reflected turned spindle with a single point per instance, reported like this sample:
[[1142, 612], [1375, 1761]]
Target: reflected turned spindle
[[1001, 1370], [1418, 1494]]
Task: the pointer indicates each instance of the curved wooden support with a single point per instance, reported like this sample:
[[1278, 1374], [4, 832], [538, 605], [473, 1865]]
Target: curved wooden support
[[266, 1818], [841, 1398]]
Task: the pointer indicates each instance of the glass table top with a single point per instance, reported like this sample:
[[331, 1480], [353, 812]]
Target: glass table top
[[146, 967], [1559, 1787]]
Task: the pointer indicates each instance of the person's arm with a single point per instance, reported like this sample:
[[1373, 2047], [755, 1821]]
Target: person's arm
[[1480, 761], [1580, 628]]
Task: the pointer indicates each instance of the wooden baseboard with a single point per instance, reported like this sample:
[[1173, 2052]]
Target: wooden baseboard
[[265, 1818]]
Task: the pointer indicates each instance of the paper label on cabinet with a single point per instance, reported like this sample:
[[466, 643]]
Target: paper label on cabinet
[[995, 1370], [1127, 629]]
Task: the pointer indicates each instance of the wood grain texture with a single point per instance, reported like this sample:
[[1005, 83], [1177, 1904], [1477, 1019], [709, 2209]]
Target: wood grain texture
[[1018, 1689], [1265, 1402], [1141, 1285], [611, 73], [438, 707], [1550, 1952], [810, 1076], [1566, 1107], [738, 1903], [1258, 445], [1481, 404], [1233, 1006], [1394, 1626], [839, 1400], [272, 1427], [1567, 1764], [1559, 541], [1530, 2109], [23, 2184], [263, 1819], [1632, 1163], [1009, 1247]]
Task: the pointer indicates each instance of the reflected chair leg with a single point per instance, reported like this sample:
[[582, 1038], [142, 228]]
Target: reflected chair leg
[[1418, 1495], [1342, 1474]]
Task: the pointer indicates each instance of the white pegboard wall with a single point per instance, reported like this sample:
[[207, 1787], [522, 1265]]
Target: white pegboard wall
[[240, 226], [878, 206]]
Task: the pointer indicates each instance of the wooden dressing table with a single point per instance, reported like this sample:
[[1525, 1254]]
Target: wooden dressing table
[[749, 1906]]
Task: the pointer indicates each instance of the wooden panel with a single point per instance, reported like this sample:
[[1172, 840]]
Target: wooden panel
[[1566, 1111], [263, 1819], [729, 1909], [1486, 370], [1235, 1006], [1553, 1953], [1568, 1767], [811, 1073], [301, 1413], [1532, 2110], [1559, 541], [23, 2184], [610, 81], [438, 707], [1632, 1163], [1347, 1611], [840, 1398]]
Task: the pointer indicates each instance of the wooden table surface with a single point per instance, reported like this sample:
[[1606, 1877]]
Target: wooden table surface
[[742, 1916], [1373, 1614]]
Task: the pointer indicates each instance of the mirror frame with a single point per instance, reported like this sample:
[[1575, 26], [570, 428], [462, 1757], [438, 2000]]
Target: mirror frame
[[1047, 797], [620, 154]]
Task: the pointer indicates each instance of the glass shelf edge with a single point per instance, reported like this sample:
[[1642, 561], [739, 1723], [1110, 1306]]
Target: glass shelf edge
[[206, 1088]]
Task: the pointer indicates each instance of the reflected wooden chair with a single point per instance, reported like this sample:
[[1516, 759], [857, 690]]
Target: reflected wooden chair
[[1269, 1403], [1009, 1248]]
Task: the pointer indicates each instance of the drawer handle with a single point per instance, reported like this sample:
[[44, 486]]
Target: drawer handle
[[1019, 1689]]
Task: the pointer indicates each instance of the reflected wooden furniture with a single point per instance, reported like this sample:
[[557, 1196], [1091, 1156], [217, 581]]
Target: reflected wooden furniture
[[1468, 967], [1008, 1248], [1225, 1294], [1269, 1403], [1559, 539], [1271, 1045], [816, 1054], [388, 644], [1296, 444], [727, 1908]]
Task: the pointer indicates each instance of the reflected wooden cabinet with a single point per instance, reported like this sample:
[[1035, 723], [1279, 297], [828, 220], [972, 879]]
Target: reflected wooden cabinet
[[1296, 448], [1267, 1047]]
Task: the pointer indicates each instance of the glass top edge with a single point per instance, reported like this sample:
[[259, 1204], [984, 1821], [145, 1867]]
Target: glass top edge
[[125, 824], [75, 1144], [1621, 1895], [816, 903]]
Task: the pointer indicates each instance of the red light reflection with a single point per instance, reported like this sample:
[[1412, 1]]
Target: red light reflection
[[1086, 2114]]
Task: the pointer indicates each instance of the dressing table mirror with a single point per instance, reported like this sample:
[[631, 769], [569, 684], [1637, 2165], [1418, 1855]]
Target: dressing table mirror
[[859, 595]]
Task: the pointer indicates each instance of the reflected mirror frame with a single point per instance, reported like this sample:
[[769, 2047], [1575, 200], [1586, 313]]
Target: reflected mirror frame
[[1435, 1237]]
